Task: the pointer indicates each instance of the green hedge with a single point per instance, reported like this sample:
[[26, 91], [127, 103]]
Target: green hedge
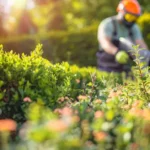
[[68, 107], [76, 47], [32, 78]]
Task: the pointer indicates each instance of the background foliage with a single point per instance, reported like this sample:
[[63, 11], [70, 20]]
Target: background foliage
[[61, 105], [45, 105], [66, 28]]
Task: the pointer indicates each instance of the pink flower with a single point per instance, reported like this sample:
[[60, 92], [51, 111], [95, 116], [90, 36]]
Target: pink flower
[[100, 136], [66, 111], [27, 99], [114, 93], [98, 114], [57, 125]]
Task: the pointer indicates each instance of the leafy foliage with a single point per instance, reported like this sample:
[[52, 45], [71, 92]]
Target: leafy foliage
[[24, 79], [74, 47], [30, 77], [68, 107]]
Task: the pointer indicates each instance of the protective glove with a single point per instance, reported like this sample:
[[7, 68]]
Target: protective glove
[[122, 57]]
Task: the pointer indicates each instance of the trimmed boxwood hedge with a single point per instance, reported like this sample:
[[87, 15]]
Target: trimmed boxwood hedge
[[26, 78]]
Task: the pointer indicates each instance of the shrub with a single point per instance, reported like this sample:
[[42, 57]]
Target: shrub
[[80, 108], [144, 23], [30, 78], [24, 79]]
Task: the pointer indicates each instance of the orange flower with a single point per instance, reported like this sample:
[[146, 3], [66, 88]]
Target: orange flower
[[98, 101], [66, 111], [82, 97], [146, 114], [98, 114], [126, 107], [7, 125], [27, 99], [114, 93], [57, 125], [100, 136], [137, 103], [136, 112]]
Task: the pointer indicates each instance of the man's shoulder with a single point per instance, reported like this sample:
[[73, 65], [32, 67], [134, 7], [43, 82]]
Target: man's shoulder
[[107, 20], [135, 26]]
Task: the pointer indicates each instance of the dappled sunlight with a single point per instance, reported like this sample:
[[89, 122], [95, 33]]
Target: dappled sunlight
[[52, 95]]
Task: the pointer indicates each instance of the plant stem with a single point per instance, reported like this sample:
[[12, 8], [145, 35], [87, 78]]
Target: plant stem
[[4, 140], [144, 86]]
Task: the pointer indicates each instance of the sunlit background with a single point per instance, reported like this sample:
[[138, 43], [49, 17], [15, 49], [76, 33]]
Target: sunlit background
[[36, 16], [66, 28], [11, 13]]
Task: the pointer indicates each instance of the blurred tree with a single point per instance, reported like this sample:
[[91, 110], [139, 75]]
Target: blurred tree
[[95, 10], [26, 25], [3, 32], [18, 19], [81, 13], [48, 15], [3, 16], [57, 19], [40, 16], [71, 14], [145, 5], [41, 2]]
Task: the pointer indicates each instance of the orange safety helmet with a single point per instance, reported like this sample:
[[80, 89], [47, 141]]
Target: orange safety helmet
[[130, 6]]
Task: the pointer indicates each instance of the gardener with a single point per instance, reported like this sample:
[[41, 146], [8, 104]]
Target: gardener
[[119, 33]]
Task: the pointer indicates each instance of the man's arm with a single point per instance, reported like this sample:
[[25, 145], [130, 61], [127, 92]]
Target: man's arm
[[105, 41], [145, 53], [138, 37], [107, 45], [141, 43]]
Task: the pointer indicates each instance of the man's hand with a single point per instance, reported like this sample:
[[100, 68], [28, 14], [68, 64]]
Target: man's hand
[[122, 57]]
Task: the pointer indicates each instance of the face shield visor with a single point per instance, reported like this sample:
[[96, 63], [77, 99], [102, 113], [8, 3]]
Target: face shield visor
[[130, 18]]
